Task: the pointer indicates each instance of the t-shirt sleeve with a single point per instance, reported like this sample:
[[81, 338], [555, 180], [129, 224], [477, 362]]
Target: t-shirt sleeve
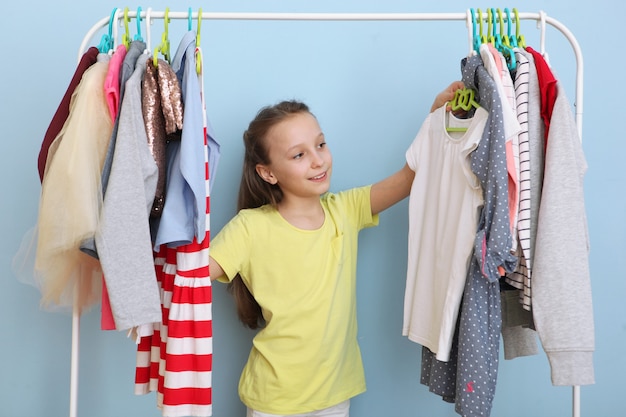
[[413, 152], [358, 206], [230, 247]]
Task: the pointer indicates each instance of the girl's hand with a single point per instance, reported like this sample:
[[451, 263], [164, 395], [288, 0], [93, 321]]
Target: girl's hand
[[446, 95]]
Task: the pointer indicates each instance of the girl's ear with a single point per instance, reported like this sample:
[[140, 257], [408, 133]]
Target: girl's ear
[[265, 173]]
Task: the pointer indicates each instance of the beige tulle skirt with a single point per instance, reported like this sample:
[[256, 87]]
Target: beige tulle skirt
[[71, 198]]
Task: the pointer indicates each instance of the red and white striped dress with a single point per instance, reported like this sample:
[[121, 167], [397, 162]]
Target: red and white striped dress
[[175, 357]]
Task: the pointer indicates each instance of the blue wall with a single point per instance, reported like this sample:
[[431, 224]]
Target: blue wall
[[370, 84]]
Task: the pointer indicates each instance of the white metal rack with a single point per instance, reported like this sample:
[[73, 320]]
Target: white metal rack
[[540, 17]]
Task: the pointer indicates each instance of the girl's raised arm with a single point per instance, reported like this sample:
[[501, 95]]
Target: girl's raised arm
[[391, 190]]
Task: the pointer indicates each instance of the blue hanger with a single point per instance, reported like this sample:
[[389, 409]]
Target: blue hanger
[[497, 38], [106, 42], [512, 39], [138, 34], [501, 44], [475, 36]]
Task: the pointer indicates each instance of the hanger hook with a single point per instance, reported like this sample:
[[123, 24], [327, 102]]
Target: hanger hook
[[164, 47], [491, 25], [482, 38], [511, 39], [166, 36], [542, 33], [198, 49], [111, 19], [115, 23], [148, 30], [471, 28], [521, 42], [106, 41], [166, 19], [126, 35], [199, 26], [138, 18], [471, 18], [502, 38]]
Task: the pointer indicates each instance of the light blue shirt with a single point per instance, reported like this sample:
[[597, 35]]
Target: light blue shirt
[[184, 213]]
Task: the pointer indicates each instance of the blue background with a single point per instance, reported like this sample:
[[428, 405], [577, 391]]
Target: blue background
[[370, 85]]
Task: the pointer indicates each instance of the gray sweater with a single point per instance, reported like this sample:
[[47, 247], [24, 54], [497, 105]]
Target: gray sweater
[[123, 237], [562, 306]]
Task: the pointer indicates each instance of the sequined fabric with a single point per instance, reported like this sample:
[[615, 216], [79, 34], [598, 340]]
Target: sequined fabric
[[162, 108]]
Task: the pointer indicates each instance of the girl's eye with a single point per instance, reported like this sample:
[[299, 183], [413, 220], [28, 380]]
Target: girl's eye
[[298, 156], [322, 145]]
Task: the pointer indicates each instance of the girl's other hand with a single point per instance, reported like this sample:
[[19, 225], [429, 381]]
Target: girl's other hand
[[446, 95]]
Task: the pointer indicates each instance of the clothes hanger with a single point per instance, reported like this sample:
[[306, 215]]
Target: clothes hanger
[[115, 23], [164, 47], [126, 35], [106, 42], [148, 30], [512, 39], [497, 38], [475, 35], [500, 45], [521, 42], [198, 54], [481, 38], [503, 38], [491, 30], [138, 18], [463, 100]]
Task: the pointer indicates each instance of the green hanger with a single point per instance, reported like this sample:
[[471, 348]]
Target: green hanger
[[126, 35], [164, 47], [463, 99]]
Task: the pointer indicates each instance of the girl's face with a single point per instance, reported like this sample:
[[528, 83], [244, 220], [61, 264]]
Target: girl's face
[[300, 161]]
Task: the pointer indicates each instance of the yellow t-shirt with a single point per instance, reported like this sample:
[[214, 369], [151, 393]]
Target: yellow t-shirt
[[307, 356]]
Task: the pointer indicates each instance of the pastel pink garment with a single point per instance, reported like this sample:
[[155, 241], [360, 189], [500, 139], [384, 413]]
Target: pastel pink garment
[[112, 81]]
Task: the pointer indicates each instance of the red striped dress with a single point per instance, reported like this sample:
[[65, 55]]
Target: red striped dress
[[174, 357]]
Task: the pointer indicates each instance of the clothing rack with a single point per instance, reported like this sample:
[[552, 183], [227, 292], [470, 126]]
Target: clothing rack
[[541, 18]]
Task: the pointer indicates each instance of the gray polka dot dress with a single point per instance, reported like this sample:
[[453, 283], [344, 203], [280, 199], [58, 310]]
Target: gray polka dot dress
[[481, 321], [469, 378]]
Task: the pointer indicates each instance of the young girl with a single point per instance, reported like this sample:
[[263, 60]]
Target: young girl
[[289, 256]]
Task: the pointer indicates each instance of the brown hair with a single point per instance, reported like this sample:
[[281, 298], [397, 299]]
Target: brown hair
[[255, 192]]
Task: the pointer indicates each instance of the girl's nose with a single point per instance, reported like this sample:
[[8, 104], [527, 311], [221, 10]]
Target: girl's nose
[[318, 160]]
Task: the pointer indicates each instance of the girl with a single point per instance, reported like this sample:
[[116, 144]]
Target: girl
[[289, 256]]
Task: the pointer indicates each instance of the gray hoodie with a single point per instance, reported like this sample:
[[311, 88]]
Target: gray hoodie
[[562, 306]]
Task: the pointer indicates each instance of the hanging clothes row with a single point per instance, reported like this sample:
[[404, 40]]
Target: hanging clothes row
[[497, 203], [124, 209], [182, 285]]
